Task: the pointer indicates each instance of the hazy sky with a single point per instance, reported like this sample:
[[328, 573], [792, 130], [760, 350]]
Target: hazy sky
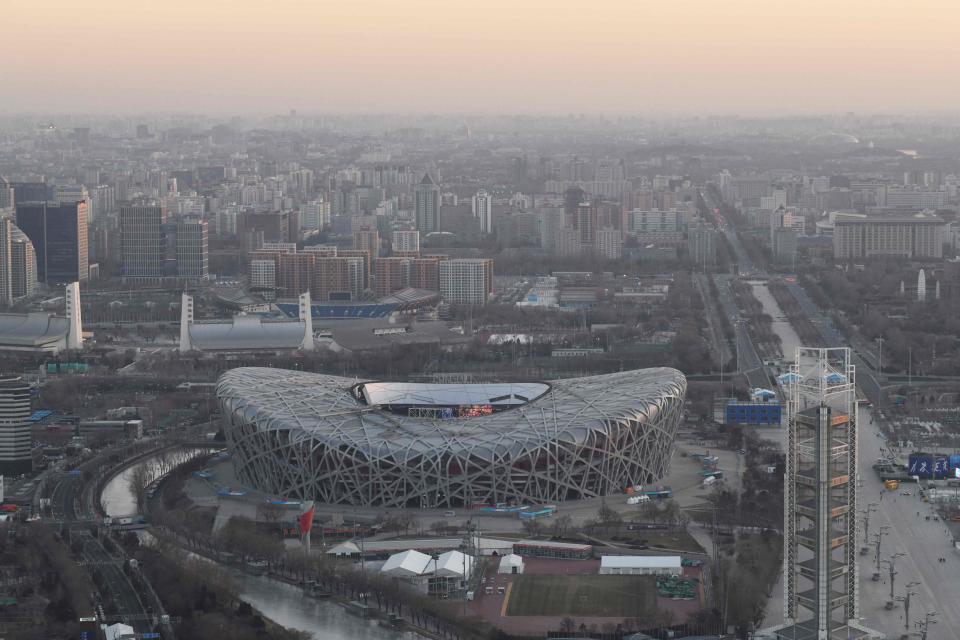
[[557, 56]]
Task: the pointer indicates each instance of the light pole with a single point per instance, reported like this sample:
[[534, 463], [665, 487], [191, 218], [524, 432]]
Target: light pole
[[925, 624], [905, 599], [880, 357], [893, 571], [878, 538], [866, 522]]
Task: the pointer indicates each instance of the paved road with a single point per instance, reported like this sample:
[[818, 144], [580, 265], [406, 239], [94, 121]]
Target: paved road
[[750, 363], [924, 541], [65, 508]]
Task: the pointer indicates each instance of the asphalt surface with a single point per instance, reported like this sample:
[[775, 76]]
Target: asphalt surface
[[923, 541], [64, 504]]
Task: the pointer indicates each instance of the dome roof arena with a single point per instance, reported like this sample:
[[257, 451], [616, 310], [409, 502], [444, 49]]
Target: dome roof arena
[[398, 444]]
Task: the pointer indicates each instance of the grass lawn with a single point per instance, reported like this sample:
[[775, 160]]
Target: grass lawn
[[583, 595]]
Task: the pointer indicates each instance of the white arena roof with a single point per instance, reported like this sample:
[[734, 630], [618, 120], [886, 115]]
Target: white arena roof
[[418, 394]]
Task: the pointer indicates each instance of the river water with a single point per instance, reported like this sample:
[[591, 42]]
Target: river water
[[283, 603]]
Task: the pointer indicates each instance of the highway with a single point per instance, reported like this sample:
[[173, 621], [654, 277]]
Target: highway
[[750, 363], [65, 508]]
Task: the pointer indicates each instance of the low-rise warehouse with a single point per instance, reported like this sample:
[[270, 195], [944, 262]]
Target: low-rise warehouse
[[641, 565]]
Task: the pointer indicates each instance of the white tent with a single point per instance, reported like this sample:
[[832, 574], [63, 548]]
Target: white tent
[[119, 631], [407, 564], [511, 563], [344, 549], [454, 564]]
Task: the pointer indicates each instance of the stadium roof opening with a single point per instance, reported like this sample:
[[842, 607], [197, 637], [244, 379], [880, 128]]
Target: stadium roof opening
[[411, 394]]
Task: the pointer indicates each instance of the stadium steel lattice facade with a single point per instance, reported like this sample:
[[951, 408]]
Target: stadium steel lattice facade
[[337, 440]]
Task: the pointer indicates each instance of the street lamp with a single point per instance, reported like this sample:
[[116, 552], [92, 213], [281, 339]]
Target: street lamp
[[905, 599], [880, 357], [866, 521], [890, 561], [925, 624], [878, 538]]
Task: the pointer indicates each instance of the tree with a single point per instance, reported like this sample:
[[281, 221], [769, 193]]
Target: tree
[[608, 516], [138, 483], [562, 525]]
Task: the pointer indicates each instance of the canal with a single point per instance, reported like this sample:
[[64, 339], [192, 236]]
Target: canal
[[283, 603]]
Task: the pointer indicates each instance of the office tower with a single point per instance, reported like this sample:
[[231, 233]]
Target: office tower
[[406, 241], [466, 281], [426, 204], [142, 241], [918, 236], [586, 224], [143, 131], [18, 264], [483, 210], [6, 261], [390, 274], [921, 286], [24, 259], [24, 191], [820, 507], [16, 442], [609, 243], [367, 240], [274, 226], [70, 193], [6, 194], [59, 236], [193, 251]]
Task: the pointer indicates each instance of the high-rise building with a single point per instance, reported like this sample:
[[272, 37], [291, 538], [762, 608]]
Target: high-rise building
[[6, 261], [390, 274], [59, 236], [367, 240], [337, 278], [142, 241], [16, 443], [586, 224], [609, 243], [18, 264], [820, 569], [315, 215], [193, 250], [466, 280], [425, 273], [295, 273], [483, 210], [426, 204], [406, 241]]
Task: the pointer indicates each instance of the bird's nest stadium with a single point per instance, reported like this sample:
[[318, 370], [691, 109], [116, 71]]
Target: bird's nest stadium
[[397, 444]]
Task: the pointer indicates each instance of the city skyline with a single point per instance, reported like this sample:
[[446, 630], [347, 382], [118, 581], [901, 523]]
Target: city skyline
[[425, 56]]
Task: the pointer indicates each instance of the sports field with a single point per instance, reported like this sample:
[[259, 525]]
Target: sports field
[[583, 595]]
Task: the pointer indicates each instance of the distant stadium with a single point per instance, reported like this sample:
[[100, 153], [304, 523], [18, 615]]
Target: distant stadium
[[396, 444]]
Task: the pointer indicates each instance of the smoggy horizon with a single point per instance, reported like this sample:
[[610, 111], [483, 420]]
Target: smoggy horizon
[[427, 56]]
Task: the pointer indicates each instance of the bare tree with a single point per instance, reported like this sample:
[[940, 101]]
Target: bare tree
[[139, 480]]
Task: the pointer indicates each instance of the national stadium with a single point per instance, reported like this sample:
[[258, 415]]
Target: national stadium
[[424, 445]]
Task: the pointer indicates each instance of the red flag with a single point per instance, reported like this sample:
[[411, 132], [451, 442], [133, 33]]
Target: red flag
[[305, 521]]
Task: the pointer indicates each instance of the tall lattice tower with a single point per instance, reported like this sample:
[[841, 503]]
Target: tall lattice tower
[[820, 502]]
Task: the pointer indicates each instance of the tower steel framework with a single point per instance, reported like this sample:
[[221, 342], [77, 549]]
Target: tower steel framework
[[821, 599]]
